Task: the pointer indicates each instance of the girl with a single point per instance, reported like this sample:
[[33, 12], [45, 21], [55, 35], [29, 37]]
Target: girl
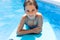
[[32, 19]]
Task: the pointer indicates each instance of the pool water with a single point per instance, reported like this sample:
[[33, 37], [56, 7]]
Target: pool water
[[11, 12]]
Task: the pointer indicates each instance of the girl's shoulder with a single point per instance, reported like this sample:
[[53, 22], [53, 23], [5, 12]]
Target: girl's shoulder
[[24, 16], [39, 14]]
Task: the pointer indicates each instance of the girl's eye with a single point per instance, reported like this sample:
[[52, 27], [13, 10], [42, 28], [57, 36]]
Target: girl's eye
[[27, 10], [33, 10], [30, 3]]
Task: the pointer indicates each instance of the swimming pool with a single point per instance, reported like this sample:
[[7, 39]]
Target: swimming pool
[[11, 12]]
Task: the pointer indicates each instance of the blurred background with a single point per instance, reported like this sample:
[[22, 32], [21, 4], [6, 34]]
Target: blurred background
[[11, 12]]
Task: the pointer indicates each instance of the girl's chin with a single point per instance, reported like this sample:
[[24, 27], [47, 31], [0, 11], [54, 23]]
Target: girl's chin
[[31, 17]]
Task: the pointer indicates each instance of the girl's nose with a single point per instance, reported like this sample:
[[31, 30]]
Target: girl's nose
[[31, 12]]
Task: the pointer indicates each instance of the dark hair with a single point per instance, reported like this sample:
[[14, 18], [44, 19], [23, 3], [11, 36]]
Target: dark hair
[[30, 3]]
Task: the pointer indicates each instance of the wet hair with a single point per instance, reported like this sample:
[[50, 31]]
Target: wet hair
[[30, 3]]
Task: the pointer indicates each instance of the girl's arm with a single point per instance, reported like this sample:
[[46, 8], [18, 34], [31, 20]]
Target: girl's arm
[[20, 26], [20, 30], [35, 30]]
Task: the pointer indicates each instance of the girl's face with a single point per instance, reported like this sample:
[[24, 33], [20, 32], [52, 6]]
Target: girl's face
[[30, 11]]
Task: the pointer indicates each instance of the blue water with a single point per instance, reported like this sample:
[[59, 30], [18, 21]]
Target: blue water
[[11, 12]]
